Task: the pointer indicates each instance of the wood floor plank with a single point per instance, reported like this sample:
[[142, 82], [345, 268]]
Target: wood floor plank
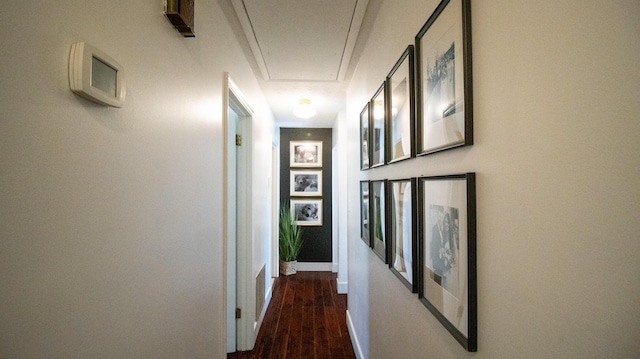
[[305, 319], [295, 326]]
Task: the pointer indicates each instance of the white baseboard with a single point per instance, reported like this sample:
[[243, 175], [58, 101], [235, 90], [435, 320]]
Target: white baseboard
[[354, 338], [342, 287], [313, 267]]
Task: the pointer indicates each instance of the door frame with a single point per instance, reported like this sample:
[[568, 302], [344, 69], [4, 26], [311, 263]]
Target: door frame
[[242, 287]]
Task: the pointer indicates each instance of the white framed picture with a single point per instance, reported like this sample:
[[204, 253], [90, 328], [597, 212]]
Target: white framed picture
[[306, 183], [305, 153], [307, 212]]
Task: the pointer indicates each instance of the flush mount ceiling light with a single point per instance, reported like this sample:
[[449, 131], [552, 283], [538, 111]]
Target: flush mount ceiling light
[[304, 109]]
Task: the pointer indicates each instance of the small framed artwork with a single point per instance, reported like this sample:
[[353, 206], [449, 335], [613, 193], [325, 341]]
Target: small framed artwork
[[443, 56], [401, 100], [364, 137], [305, 154], [306, 183], [378, 219], [402, 231], [377, 126], [364, 213], [307, 212], [447, 253]]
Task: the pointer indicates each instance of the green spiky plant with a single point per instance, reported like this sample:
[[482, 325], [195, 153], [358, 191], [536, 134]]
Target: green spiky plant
[[289, 237]]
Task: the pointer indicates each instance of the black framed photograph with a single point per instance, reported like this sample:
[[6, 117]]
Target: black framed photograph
[[401, 107], [447, 253], [402, 231], [364, 137], [306, 183], [377, 127], [305, 153], [444, 86], [307, 212], [378, 219], [364, 212]]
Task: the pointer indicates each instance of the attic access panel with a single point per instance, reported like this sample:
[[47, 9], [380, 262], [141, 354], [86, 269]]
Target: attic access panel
[[301, 40]]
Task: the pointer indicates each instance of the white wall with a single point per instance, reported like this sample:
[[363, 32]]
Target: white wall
[[340, 207], [556, 103], [110, 219]]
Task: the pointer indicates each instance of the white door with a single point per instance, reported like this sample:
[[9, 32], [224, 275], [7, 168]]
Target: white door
[[232, 225]]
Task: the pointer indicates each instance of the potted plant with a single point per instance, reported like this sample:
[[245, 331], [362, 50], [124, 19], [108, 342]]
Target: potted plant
[[289, 241]]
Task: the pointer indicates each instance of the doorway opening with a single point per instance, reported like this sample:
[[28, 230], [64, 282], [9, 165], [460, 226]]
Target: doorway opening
[[237, 127]]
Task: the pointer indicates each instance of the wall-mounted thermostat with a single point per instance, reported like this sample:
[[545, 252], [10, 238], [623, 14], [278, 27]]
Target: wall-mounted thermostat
[[95, 75]]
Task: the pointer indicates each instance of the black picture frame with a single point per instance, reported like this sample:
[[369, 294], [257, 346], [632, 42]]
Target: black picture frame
[[378, 219], [365, 212], [401, 108], [377, 127], [365, 137], [447, 253], [444, 79], [403, 256]]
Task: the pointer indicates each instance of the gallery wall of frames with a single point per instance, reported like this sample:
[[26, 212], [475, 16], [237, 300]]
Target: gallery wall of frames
[[424, 228], [305, 185]]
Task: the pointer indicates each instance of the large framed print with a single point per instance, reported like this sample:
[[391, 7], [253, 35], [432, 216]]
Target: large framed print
[[306, 183], [402, 231], [377, 127], [443, 57], [307, 212], [305, 153], [364, 137], [378, 219], [401, 104], [364, 213], [447, 253]]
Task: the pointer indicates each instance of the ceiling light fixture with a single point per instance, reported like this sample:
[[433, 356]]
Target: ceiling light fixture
[[304, 109]]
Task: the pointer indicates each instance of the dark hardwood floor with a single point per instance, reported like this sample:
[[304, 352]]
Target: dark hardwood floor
[[305, 319]]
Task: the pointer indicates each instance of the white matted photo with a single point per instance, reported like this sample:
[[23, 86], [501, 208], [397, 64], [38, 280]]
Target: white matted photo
[[307, 212], [305, 153], [306, 183]]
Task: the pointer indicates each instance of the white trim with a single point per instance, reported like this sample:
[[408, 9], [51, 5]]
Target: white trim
[[334, 266], [342, 287], [313, 267], [352, 36], [246, 328], [354, 338], [229, 295], [275, 198], [245, 22]]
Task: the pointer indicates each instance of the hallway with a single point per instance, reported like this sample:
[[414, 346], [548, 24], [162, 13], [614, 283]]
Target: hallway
[[306, 319]]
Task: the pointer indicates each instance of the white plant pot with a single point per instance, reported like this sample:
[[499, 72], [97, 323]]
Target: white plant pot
[[288, 268]]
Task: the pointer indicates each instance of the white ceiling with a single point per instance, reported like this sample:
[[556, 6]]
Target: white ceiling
[[302, 49]]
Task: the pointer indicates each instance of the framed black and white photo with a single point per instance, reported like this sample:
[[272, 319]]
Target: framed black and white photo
[[402, 231], [364, 137], [401, 105], [443, 56], [306, 183], [364, 213], [305, 153], [307, 212], [447, 253], [377, 128], [378, 219]]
